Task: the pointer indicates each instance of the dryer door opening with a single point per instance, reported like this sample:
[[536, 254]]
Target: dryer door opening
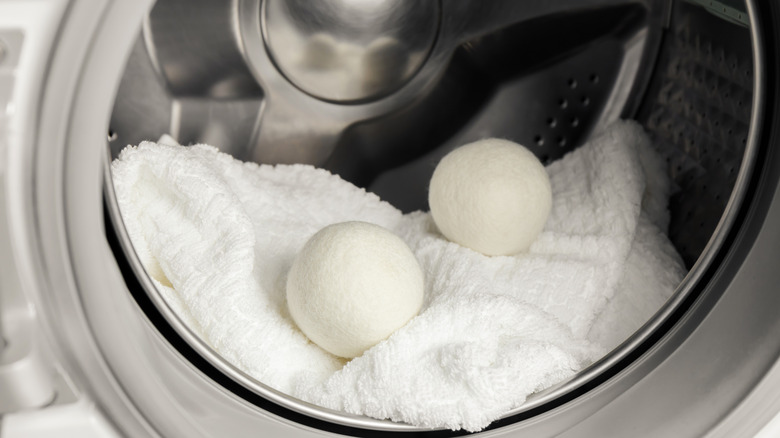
[[693, 74]]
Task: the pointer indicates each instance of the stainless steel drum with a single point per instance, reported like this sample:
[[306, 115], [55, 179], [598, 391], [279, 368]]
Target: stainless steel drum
[[377, 91]]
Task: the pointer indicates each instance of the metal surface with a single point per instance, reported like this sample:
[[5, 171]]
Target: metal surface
[[688, 378], [551, 109], [343, 50], [698, 111], [196, 48], [283, 123]]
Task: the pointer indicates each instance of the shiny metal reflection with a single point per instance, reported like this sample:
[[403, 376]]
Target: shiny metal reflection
[[348, 50]]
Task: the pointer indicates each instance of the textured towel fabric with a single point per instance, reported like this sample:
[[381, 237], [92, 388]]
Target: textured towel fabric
[[218, 237]]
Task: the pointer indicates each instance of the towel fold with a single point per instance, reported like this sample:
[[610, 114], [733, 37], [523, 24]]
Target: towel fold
[[218, 236]]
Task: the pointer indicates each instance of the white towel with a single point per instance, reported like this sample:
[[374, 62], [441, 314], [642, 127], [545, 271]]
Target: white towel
[[218, 236]]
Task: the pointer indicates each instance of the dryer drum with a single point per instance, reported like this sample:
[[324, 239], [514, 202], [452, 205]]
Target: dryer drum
[[699, 76], [688, 80]]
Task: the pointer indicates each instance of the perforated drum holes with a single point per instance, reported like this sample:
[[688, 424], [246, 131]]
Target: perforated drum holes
[[570, 114], [698, 112]]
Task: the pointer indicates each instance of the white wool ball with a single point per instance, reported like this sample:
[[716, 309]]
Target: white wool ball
[[492, 196], [352, 285]]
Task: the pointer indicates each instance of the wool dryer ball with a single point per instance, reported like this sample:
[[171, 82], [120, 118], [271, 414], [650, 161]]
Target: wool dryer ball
[[492, 196], [352, 285]]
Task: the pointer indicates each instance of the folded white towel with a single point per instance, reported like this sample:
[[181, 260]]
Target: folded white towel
[[218, 237]]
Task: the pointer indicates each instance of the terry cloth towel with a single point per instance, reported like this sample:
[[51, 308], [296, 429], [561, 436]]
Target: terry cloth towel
[[218, 236]]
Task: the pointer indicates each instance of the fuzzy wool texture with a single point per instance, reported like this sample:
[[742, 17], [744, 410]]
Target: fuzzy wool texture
[[352, 285], [492, 196], [218, 237]]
